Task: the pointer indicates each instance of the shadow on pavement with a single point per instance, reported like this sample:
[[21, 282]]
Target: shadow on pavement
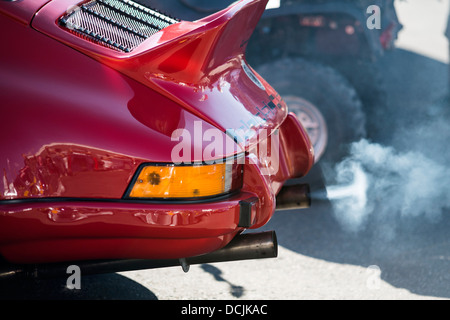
[[97, 287], [417, 257], [235, 291]]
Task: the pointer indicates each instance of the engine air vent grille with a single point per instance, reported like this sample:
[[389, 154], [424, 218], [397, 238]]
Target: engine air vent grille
[[118, 24]]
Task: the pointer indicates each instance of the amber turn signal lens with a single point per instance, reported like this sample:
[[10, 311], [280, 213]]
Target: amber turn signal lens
[[186, 182]]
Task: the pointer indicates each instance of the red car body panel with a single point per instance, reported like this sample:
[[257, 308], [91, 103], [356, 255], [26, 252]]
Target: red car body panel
[[22, 11], [78, 119]]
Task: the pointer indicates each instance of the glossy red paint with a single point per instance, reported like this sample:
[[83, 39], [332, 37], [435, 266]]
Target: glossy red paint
[[71, 230], [22, 11], [196, 64], [78, 119]]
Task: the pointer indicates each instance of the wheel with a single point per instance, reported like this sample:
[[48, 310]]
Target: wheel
[[312, 120], [325, 103], [367, 78]]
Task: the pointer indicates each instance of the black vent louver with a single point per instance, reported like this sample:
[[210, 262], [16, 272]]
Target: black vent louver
[[119, 24]]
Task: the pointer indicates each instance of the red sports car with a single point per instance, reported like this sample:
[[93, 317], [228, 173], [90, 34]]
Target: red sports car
[[129, 134]]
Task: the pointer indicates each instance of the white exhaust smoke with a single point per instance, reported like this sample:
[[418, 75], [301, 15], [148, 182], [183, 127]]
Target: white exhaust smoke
[[389, 187], [349, 195]]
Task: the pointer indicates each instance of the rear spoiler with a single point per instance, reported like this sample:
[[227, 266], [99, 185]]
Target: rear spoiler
[[185, 50], [189, 51], [198, 64]]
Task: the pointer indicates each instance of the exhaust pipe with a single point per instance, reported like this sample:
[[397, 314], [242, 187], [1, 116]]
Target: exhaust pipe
[[242, 247], [297, 196]]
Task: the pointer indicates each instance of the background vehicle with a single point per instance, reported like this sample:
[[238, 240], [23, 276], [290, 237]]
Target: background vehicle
[[321, 57]]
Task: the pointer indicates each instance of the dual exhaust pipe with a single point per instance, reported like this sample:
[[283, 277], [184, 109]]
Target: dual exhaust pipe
[[246, 246], [243, 247]]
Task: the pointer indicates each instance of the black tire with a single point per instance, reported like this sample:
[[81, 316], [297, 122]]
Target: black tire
[[367, 79], [329, 91]]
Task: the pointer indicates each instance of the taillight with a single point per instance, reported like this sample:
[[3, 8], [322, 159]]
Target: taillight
[[168, 181]]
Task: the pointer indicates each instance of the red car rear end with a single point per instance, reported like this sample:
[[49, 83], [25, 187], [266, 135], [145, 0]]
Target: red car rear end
[[127, 134]]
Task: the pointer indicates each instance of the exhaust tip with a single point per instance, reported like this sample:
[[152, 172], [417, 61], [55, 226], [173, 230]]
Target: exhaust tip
[[247, 246], [294, 197]]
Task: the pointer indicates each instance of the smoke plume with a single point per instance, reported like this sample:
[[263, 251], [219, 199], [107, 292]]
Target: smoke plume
[[381, 185]]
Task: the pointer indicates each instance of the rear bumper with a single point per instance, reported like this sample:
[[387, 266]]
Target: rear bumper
[[52, 231], [56, 230]]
